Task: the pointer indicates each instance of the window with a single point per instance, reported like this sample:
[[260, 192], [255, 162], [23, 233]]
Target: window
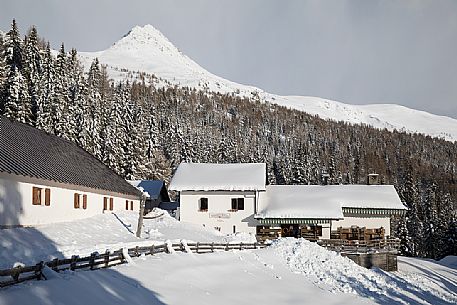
[[237, 204], [129, 205], [203, 205], [47, 197], [36, 196], [84, 201], [76, 201], [111, 204], [105, 203]]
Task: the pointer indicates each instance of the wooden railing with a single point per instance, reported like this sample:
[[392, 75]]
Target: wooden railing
[[94, 261], [390, 245]]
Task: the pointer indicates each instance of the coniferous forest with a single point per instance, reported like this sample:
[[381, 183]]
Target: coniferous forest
[[143, 132]]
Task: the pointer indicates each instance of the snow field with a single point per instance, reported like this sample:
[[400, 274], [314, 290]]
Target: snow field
[[111, 231], [233, 277], [289, 271]]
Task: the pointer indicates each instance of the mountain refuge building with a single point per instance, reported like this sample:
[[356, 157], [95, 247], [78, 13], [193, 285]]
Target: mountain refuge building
[[235, 198], [46, 179]]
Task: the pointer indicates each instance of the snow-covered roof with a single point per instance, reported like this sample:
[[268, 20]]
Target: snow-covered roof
[[319, 201], [152, 188], [296, 201], [363, 196], [219, 177]]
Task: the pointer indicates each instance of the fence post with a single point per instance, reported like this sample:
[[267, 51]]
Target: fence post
[[255, 245], [39, 270], [151, 251], [227, 247], [92, 260], [241, 245], [73, 262], [198, 243], [137, 252], [55, 264], [212, 246], [16, 271], [106, 258]]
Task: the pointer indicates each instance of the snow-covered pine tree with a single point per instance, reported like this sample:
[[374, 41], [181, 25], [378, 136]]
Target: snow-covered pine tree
[[59, 101], [16, 100], [414, 216], [94, 103], [45, 92], [76, 98], [33, 69]]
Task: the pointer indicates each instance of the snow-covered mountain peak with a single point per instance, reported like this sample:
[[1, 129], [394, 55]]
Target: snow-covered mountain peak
[[146, 49], [145, 36]]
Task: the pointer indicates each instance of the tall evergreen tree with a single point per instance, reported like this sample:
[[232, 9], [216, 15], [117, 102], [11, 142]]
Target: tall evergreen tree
[[33, 70]]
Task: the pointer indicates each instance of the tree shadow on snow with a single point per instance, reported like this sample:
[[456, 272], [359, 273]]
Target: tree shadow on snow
[[100, 287], [449, 285], [399, 291]]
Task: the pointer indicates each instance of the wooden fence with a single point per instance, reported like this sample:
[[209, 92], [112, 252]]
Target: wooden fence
[[94, 261], [390, 245]]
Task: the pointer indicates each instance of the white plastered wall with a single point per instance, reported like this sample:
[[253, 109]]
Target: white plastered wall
[[325, 231], [219, 214], [16, 206], [368, 222]]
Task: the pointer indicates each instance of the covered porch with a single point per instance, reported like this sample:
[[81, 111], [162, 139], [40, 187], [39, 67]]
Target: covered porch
[[310, 229]]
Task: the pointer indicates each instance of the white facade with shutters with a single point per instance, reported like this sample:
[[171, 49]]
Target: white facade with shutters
[[20, 205]]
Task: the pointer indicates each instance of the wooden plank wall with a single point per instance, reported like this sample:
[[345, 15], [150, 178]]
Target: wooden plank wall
[[384, 261]]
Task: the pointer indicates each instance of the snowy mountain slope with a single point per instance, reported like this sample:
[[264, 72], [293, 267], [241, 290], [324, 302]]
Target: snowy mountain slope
[[145, 49]]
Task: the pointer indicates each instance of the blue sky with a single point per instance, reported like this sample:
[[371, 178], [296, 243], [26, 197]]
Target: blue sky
[[357, 52]]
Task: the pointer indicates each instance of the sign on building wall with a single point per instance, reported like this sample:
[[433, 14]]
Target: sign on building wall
[[219, 215]]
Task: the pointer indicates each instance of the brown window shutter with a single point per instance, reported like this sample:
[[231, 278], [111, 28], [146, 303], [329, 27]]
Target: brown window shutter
[[131, 205], [111, 204], [105, 203], [126, 204], [47, 197], [84, 201], [76, 201], [36, 196]]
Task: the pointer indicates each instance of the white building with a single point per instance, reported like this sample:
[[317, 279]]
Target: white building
[[326, 208], [46, 179], [211, 194], [221, 196]]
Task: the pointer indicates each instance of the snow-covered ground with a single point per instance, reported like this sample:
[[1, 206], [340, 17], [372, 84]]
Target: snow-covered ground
[[290, 271], [99, 233], [145, 49]]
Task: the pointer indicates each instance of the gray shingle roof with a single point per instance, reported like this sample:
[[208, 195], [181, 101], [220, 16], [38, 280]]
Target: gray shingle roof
[[27, 151]]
